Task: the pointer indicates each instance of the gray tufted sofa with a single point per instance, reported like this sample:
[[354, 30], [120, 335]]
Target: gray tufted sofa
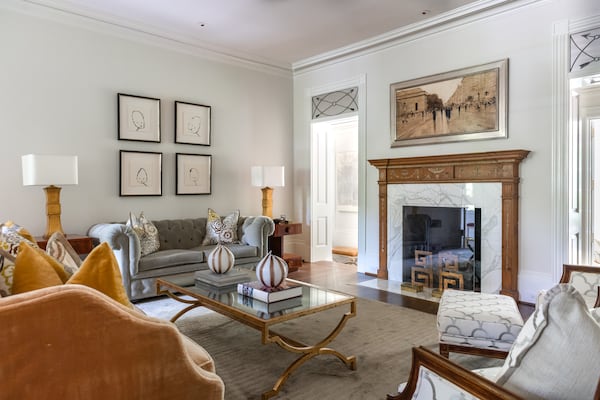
[[181, 252]]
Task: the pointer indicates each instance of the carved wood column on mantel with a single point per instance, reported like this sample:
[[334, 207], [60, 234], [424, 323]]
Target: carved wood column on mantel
[[495, 166]]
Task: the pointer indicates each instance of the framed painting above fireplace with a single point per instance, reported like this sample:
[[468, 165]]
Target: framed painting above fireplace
[[465, 104]]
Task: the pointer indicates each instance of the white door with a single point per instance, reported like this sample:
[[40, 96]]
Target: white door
[[584, 210], [322, 188]]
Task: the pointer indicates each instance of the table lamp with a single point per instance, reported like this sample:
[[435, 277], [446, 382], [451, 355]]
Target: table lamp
[[267, 177], [50, 170]]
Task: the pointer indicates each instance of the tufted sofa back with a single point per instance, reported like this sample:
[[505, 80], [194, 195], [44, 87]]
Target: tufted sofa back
[[180, 233]]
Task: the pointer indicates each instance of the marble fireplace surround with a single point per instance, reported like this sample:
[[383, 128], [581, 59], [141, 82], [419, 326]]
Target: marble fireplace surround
[[498, 166]]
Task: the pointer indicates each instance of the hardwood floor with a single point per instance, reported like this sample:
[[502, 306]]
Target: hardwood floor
[[345, 278]]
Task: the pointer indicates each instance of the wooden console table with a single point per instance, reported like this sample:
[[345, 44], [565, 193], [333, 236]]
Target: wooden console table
[[81, 244], [276, 244]]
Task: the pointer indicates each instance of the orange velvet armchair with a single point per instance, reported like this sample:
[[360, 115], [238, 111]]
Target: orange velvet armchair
[[72, 342]]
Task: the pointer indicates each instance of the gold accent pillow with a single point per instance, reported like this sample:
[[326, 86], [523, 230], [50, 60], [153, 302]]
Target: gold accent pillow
[[100, 270], [221, 230], [34, 269], [146, 232]]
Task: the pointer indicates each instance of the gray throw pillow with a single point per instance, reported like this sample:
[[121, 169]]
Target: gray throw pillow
[[557, 353]]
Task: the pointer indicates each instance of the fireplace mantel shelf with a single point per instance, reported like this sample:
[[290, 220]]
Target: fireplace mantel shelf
[[496, 166]]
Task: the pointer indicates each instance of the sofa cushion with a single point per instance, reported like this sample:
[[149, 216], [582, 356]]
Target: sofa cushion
[[171, 258], [221, 230], [100, 270], [34, 269], [146, 233], [556, 354]]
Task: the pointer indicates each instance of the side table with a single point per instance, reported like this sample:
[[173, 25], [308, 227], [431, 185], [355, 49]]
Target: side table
[[294, 261], [81, 244]]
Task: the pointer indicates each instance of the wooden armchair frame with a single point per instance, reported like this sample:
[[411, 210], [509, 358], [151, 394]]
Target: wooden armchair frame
[[466, 380], [569, 268]]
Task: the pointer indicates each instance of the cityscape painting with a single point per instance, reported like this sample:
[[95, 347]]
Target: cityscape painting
[[466, 104]]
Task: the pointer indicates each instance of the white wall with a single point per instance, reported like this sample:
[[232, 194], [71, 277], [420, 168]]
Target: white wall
[[58, 95], [522, 35]]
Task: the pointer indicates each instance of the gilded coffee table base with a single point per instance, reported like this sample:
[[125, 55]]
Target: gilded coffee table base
[[308, 352], [282, 341]]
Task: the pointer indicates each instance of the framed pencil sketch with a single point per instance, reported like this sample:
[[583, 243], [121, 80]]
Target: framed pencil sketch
[[139, 118], [193, 173], [465, 104], [192, 123], [140, 173]]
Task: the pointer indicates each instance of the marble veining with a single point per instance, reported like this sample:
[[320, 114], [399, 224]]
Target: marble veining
[[487, 196]]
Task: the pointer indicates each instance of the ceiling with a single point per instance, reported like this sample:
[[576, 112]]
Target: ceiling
[[274, 32]]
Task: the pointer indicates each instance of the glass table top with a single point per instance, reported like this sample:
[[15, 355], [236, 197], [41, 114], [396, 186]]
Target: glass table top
[[312, 298]]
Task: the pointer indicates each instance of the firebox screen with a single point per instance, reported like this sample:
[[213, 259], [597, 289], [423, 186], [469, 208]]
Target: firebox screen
[[442, 247]]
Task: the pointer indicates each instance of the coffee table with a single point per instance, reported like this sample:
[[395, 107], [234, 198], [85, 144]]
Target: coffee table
[[253, 314]]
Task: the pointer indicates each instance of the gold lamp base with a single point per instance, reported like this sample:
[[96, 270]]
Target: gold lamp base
[[267, 201], [52, 211]]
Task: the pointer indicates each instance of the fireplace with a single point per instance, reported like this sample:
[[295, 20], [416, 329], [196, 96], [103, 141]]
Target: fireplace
[[489, 181], [441, 247]]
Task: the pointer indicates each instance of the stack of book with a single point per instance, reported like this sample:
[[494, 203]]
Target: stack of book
[[220, 283], [269, 308], [258, 291]]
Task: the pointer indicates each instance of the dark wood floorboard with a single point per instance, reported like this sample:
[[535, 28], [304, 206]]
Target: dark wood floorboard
[[345, 278]]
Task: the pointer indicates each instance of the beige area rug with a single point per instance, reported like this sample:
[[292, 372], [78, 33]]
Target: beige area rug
[[381, 336]]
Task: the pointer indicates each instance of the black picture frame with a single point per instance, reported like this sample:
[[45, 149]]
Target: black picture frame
[[138, 118], [193, 174], [140, 173], [193, 123]]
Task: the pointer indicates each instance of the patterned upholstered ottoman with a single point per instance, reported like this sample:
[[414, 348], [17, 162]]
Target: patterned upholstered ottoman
[[477, 323]]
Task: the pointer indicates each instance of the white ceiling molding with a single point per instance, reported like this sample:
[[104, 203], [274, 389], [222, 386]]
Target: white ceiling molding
[[449, 20], [51, 10]]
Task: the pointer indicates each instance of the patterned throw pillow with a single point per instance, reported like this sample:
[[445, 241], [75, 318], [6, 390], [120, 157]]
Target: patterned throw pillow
[[221, 230], [7, 267], [11, 236], [59, 247], [146, 232]]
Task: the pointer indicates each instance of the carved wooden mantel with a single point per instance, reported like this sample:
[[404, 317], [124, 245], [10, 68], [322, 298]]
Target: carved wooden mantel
[[496, 166]]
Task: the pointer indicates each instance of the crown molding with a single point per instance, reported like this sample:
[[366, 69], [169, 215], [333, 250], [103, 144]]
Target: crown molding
[[57, 11], [461, 16]]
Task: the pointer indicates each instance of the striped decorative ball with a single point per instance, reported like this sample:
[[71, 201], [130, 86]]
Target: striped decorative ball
[[220, 260], [271, 271]]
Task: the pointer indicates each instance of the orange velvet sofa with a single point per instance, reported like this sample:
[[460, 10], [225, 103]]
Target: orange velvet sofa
[[73, 342]]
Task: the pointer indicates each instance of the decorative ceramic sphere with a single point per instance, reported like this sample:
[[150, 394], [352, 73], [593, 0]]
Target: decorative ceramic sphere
[[271, 271], [220, 260]]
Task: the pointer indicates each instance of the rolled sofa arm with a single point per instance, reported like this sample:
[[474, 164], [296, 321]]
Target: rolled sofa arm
[[256, 232], [125, 245]]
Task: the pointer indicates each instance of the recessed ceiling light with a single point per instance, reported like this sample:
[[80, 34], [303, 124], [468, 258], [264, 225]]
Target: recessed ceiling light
[[425, 12], [202, 24]]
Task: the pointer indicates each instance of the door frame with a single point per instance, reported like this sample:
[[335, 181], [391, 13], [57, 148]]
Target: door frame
[[360, 82]]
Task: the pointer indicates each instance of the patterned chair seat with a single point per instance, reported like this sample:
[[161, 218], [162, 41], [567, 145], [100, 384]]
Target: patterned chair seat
[[477, 323]]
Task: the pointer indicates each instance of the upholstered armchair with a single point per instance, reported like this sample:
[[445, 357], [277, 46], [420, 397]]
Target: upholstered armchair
[[556, 356], [73, 342]]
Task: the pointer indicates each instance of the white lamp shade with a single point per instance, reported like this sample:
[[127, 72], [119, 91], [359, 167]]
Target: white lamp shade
[[49, 170], [268, 176]]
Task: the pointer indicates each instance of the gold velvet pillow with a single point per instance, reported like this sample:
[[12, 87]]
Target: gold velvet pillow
[[100, 270], [35, 269]]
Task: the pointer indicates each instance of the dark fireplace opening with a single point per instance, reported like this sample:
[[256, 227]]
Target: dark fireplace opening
[[441, 247]]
